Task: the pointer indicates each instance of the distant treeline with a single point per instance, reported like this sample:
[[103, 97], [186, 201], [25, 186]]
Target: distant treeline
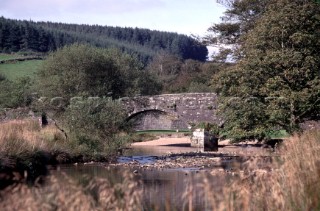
[[25, 36]]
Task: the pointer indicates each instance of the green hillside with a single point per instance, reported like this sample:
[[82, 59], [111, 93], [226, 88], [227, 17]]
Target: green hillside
[[29, 36]]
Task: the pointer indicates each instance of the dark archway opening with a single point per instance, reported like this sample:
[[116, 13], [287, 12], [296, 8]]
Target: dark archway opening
[[155, 120]]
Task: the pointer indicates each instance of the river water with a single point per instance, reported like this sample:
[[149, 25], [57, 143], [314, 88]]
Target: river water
[[161, 188]]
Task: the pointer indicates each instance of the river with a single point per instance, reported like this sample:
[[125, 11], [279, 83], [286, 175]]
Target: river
[[162, 188]]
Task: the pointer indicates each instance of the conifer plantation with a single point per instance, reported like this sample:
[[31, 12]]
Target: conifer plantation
[[24, 36]]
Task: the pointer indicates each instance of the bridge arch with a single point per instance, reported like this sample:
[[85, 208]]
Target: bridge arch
[[156, 119], [171, 111]]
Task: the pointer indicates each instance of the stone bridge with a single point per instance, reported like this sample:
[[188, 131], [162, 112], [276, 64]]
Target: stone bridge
[[171, 111]]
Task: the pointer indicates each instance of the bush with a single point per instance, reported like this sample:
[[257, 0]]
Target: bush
[[14, 94], [95, 125]]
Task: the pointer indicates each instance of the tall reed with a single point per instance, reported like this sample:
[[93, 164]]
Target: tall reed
[[291, 183], [67, 194]]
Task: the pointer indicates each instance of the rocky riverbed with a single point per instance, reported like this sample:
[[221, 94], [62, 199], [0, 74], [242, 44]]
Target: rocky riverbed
[[229, 158]]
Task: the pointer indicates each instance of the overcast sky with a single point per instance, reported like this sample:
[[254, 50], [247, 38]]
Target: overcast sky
[[182, 16]]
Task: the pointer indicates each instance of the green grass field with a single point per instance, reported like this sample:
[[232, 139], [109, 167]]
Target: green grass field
[[15, 70]]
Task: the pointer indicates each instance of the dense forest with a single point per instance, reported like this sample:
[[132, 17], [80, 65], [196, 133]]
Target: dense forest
[[25, 36]]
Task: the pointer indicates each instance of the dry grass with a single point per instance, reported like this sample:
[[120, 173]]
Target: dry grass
[[66, 194], [292, 183], [21, 136]]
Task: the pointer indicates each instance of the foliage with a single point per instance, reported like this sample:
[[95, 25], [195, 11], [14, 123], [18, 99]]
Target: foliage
[[16, 93], [95, 124], [276, 84], [239, 18], [47, 36], [82, 70], [183, 76]]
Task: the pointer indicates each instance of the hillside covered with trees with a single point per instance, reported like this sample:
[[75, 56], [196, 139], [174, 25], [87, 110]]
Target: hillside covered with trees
[[24, 36]]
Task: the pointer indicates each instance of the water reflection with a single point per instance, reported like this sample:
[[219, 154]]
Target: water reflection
[[140, 159], [162, 189]]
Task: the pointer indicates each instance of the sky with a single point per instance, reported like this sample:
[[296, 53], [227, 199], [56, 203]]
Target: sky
[[181, 16]]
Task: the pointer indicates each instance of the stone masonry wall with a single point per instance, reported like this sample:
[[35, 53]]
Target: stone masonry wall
[[177, 111]]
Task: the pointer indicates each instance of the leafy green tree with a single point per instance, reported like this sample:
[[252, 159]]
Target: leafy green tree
[[276, 84], [15, 94], [239, 18], [78, 70], [83, 70], [94, 125], [136, 80]]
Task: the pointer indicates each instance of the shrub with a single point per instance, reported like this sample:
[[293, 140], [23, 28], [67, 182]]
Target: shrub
[[95, 125]]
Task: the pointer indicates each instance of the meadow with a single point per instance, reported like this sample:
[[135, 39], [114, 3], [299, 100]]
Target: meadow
[[18, 69]]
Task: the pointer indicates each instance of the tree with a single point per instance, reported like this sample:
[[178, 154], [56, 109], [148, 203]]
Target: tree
[[276, 84], [136, 80], [239, 18], [82, 70], [94, 124], [78, 70], [16, 93]]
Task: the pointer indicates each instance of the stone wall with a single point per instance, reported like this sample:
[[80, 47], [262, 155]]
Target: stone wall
[[171, 111], [202, 139], [159, 112], [17, 113]]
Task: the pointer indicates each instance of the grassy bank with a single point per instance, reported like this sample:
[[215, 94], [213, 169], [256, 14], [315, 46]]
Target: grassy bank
[[26, 149], [19, 69], [291, 183]]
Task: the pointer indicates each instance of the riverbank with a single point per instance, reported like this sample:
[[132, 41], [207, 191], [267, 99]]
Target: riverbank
[[284, 178], [26, 148], [224, 146], [176, 153], [245, 176]]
